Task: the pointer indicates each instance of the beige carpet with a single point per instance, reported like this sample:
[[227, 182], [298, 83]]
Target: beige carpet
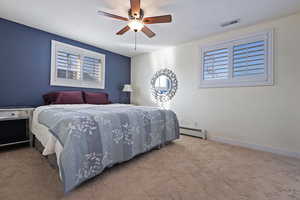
[[188, 169]]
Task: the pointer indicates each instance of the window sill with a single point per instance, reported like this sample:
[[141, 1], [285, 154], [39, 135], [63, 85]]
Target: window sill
[[236, 84], [79, 85]]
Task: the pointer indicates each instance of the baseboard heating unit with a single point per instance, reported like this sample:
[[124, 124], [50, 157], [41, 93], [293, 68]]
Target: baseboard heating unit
[[193, 132]]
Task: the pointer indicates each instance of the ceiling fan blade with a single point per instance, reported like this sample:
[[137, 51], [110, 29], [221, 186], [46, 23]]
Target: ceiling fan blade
[[112, 16], [148, 32], [135, 7], [158, 19], [123, 30]]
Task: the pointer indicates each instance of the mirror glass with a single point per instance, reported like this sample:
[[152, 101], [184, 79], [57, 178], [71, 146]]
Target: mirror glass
[[163, 84]]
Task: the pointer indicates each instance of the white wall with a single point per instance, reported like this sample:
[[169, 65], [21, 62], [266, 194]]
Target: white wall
[[263, 116]]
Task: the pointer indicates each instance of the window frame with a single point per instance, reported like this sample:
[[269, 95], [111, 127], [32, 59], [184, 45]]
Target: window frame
[[246, 81], [55, 81]]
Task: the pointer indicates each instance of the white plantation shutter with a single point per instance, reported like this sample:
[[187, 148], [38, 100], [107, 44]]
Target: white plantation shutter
[[76, 67], [243, 62], [91, 69], [68, 65], [216, 64], [249, 59]]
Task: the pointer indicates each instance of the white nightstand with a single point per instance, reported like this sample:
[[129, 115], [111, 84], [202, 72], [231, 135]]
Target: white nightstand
[[15, 126]]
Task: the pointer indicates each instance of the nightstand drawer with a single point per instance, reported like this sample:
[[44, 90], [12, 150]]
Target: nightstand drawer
[[13, 114]]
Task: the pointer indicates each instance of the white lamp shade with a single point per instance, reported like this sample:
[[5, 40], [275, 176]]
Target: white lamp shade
[[127, 88]]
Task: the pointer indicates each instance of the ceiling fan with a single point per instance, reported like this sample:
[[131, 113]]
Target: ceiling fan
[[136, 20]]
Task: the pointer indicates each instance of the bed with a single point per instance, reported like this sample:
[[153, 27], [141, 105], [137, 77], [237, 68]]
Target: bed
[[86, 138]]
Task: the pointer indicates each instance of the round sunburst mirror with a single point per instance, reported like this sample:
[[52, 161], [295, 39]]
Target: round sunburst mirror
[[164, 85]]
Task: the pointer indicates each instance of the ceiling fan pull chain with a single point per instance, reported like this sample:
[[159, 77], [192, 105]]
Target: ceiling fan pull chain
[[135, 40]]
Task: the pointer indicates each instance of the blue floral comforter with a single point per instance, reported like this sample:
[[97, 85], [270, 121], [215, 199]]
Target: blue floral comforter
[[97, 137]]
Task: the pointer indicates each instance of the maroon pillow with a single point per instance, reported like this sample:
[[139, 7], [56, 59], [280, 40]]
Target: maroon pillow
[[69, 97], [96, 98], [50, 98]]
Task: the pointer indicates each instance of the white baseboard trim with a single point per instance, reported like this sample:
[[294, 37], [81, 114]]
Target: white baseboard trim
[[256, 147]]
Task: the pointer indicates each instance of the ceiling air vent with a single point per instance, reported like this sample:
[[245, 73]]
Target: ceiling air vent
[[225, 24]]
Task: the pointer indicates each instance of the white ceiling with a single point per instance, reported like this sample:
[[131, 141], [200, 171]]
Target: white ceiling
[[192, 19]]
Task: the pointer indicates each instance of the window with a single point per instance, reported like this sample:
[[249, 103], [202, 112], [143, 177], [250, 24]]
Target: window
[[76, 67], [243, 62]]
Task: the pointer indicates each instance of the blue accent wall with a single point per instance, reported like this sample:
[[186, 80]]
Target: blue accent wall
[[25, 64]]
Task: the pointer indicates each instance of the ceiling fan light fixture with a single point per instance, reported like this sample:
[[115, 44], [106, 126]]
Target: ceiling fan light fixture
[[136, 25]]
